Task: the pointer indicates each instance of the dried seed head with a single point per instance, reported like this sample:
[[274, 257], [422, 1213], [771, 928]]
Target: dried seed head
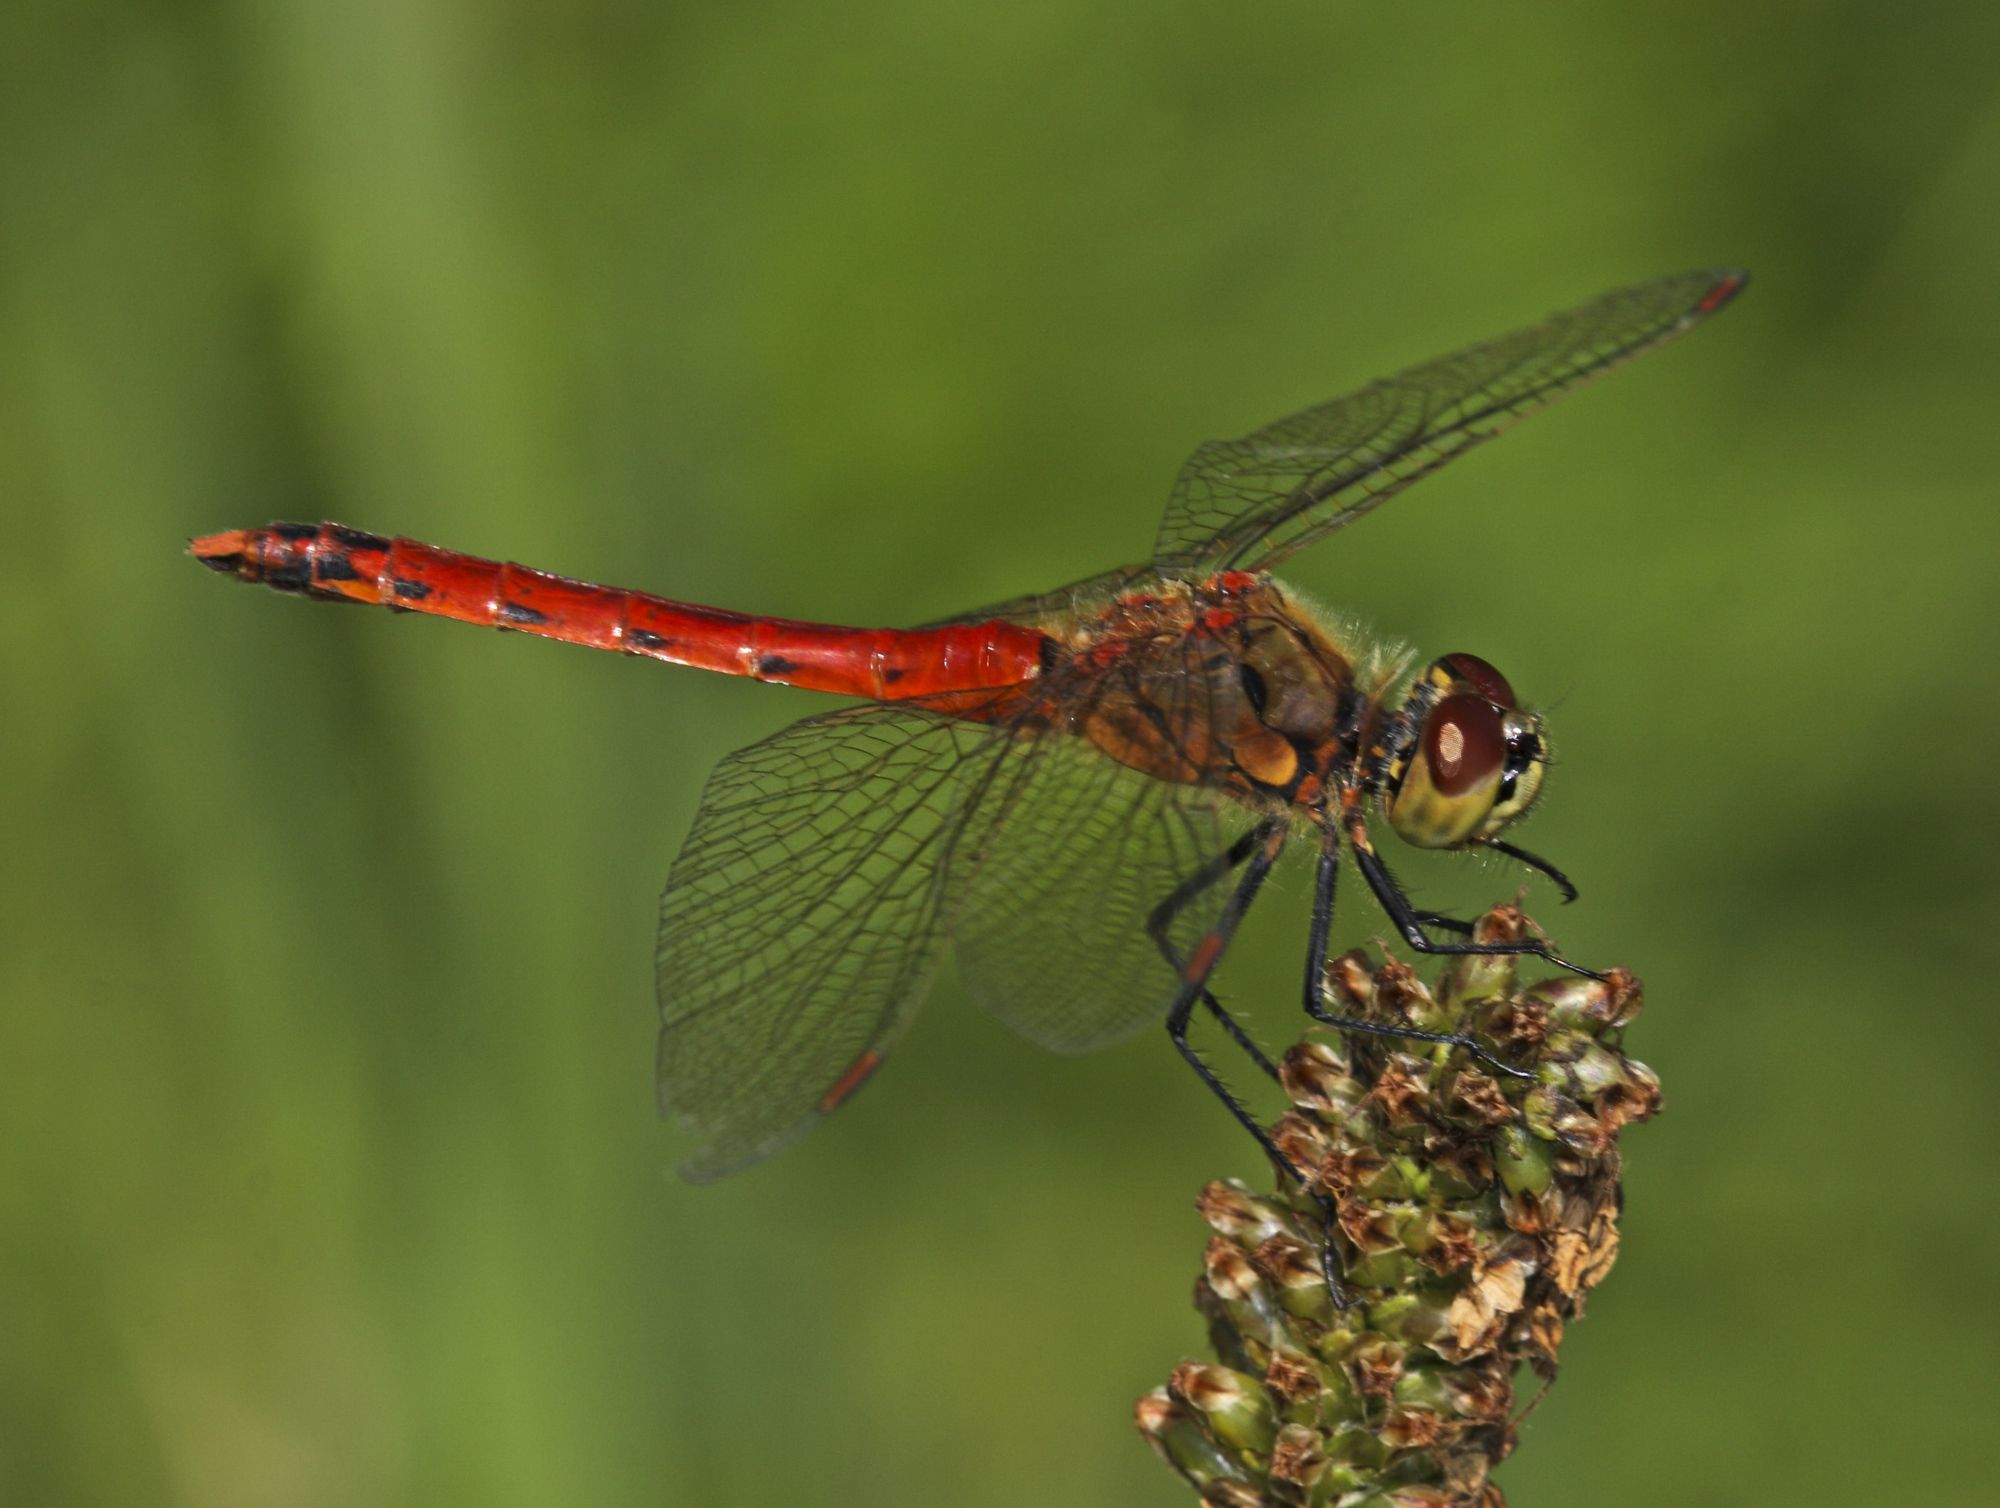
[[1473, 1212]]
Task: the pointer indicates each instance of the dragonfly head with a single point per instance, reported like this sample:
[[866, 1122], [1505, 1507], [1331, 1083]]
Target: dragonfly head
[[1470, 761]]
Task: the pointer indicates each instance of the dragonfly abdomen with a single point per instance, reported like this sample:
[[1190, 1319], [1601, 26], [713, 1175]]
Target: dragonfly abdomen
[[336, 563]]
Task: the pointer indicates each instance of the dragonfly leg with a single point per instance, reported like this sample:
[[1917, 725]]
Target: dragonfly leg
[[1315, 992], [1325, 877], [1259, 849], [1534, 861], [1409, 922], [1456, 924], [1537, 863], [1162, 917], [1238, 1035]]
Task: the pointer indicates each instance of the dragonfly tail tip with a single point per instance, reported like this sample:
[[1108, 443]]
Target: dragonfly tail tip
[[221, 552]]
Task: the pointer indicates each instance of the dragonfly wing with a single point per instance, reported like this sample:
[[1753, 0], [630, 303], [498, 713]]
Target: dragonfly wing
[[1063, 605], [804, 919], [1074, 854], [1251, 502]]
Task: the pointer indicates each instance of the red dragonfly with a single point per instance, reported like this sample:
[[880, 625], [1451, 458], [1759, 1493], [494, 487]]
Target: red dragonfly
[[1082, 790]]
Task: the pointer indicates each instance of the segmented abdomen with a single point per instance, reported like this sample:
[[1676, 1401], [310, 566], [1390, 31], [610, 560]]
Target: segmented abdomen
[[337, 563]]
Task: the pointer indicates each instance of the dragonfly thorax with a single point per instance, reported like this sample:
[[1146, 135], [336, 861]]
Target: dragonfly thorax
[[1224, 684]]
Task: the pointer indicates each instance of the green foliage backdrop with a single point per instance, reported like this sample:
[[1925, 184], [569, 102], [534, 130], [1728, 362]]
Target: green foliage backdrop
[[328, 1169]]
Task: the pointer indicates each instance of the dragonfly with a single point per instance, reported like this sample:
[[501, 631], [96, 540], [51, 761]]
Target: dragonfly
[[1080, 792]]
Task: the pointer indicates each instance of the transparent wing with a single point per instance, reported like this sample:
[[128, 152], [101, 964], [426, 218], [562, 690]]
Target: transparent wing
[[807, 912], [1251, 502], [1075, 852], [1053, 939], [1063, 605], [803, 921]]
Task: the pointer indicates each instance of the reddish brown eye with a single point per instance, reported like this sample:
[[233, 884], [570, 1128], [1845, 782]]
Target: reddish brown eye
[[1482, 677], [1464, 744]]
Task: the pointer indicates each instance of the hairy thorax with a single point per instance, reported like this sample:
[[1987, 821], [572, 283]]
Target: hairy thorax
[[1224, 683]]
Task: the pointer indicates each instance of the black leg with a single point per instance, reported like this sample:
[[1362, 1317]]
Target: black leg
[[1537, 863], [1258, 849], [1183, 893], [1456, 924], [1325, 874], [1315, 992], [1410, 924], [1534, 861]]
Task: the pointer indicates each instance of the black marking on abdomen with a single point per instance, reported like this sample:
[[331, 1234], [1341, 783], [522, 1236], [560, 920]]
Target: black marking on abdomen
[[333, 567], [355, 539], [775, 665], [411, 591], [892, 675], [295, 533], [645, 641], [519, 612]]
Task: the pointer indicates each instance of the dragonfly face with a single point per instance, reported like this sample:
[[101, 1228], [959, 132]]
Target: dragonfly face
[[1464, 760]]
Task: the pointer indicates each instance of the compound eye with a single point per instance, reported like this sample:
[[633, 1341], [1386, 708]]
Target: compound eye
[[1482, 677], [1465, 744]]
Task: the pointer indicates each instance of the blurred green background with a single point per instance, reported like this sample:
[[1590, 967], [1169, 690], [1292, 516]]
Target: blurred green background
[[329, 1173]]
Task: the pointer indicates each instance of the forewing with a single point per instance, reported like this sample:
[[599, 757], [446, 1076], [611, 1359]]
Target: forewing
[[1075, 852], [1251, 502], [804, 919]]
